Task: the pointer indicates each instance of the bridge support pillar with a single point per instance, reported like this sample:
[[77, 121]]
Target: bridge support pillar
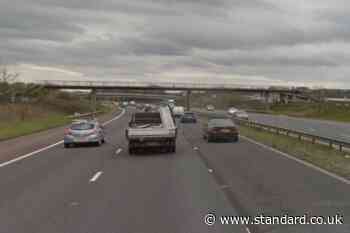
[[93, 101], [266, 96], [188, 100], [284, 98]]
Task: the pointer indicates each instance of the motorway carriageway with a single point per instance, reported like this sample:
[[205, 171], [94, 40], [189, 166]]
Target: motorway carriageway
[[105, 190], [331, 129]]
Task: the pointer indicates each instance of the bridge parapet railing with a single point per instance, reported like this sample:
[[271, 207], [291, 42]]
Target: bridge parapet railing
[[138, 84]]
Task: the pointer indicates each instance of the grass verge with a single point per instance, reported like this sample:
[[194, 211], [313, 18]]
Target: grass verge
[[319, 155], [14, 129]]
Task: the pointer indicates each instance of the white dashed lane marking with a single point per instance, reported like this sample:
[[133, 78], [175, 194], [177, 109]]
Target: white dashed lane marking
[[96, 176]]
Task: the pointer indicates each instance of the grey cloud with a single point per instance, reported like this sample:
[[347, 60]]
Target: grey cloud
[[143, 38], [28, 22]]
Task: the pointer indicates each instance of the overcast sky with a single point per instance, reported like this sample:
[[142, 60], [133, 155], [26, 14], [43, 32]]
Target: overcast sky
[[290, 42]]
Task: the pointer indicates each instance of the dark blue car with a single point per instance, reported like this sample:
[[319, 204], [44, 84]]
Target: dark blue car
[[189, 117]]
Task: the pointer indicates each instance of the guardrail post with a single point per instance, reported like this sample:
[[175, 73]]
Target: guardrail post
[[313, 140], [299, 137], [340, 147], [330, 144]]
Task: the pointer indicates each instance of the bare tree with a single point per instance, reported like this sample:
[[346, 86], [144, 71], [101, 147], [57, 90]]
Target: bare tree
[[7, 77]]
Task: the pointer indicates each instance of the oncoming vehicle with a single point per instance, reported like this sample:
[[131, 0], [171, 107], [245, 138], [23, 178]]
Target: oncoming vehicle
[[232, 110], [223, 129], [125, 104], [84, 132], [171, 103], [139, 106], [147, 108], [243, 115], [178, 111], [189, 117], [210, 107]]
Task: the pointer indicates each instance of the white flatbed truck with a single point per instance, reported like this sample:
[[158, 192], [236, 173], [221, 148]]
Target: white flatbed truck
[[152, 130]]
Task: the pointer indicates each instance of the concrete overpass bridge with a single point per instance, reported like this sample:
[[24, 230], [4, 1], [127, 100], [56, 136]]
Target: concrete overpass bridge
[[265, 91], [129, 95], [127, 85]]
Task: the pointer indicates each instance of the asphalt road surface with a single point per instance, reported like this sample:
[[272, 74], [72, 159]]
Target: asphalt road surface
[[335, 130], [105, 190]]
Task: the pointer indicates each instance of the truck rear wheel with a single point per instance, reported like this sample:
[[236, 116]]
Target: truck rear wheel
[[172, 146], [131, 150], [209, 139]]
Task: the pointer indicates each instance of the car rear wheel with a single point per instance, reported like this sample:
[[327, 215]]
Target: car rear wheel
[[209, 139], [172, 146], [172, 149], [66, 145], [98, 143]]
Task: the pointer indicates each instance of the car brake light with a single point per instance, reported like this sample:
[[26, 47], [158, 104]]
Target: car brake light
[[234, 130], [67, 131]]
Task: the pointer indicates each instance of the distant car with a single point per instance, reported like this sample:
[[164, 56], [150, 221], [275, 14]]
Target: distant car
[[125, 104], [132, 103], [232, 111], [147, 108], [139, 106], [171, 105], [223, 129], [189, 117], [241, 115], [84, 132], [178, 111], [210, 107]]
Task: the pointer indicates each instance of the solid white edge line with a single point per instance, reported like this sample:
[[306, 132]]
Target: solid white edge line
[[50, 146], [30, 154], [307, 164], [247, 229], [118, 151], [96, 176], [115, 118]]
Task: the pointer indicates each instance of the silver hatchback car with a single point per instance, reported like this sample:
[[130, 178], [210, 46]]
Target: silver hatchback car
[[84, 132]]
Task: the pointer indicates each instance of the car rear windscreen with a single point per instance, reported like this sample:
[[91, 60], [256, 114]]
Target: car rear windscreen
[[221, 123], [82, 126]]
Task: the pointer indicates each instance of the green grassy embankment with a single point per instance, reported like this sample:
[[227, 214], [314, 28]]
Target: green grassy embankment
[[319, 155], [17, 128], [23, 119]]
